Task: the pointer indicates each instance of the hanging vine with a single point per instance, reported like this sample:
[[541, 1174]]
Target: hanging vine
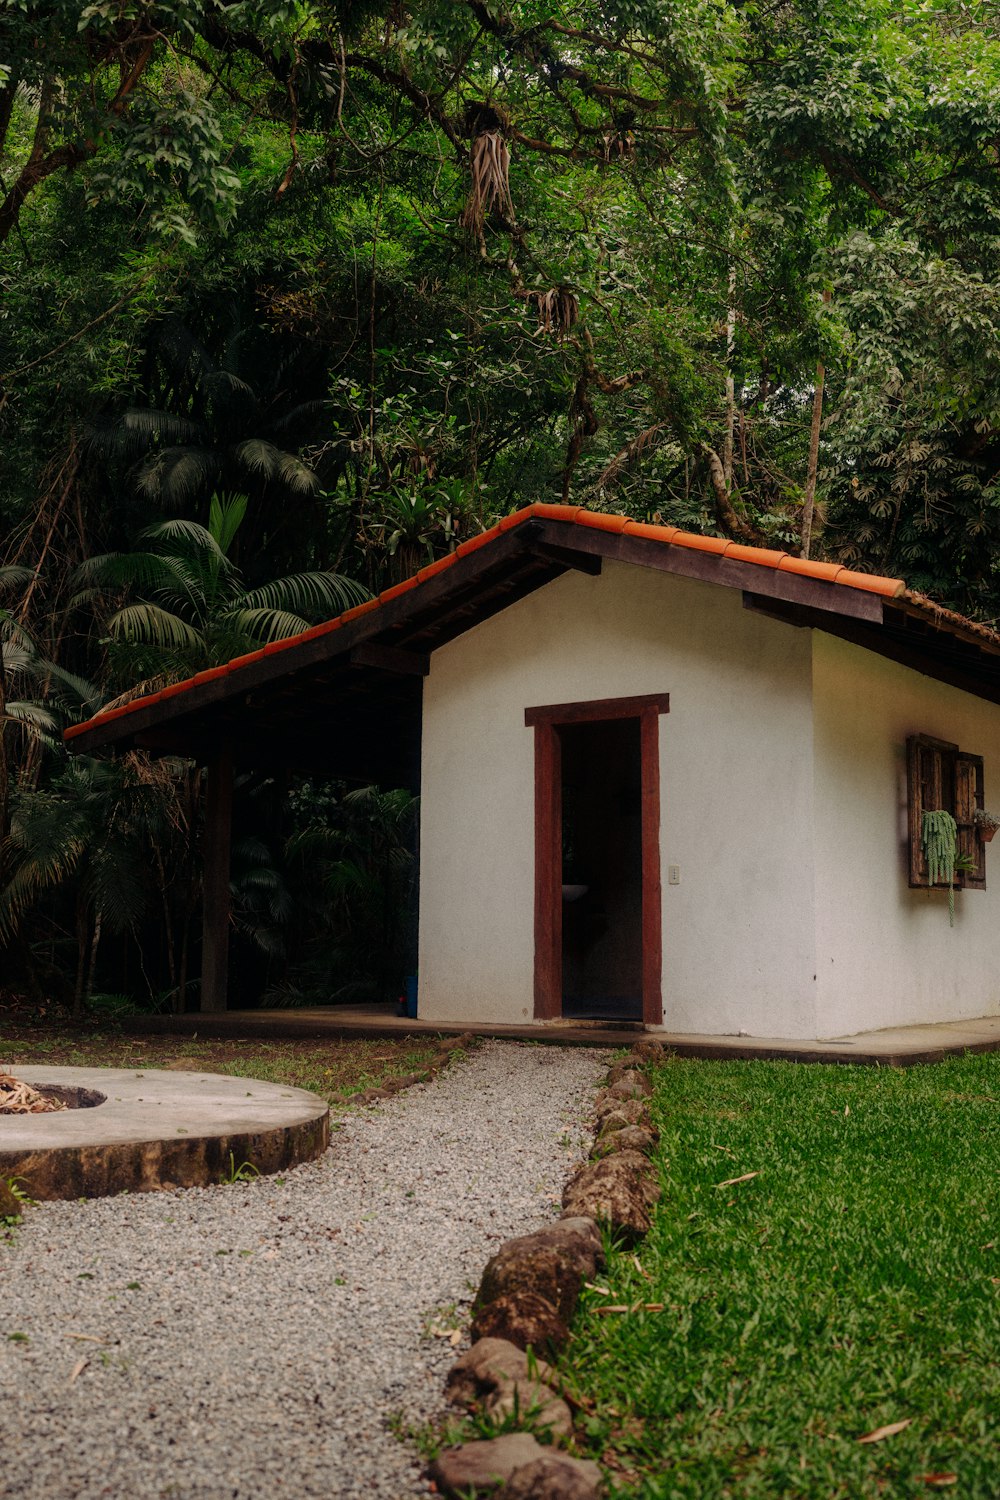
[[939, 835]]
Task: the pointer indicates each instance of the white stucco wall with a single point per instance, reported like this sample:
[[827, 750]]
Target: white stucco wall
[[885, 954], [736, 797]]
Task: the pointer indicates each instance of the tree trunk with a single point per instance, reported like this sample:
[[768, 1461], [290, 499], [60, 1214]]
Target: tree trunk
[[4, 765], [727, 449], [215, 881], [88, 988], [82, 946], [812, 463]]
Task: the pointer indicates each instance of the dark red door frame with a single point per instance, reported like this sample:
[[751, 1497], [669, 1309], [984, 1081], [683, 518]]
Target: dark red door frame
[[546, 722]]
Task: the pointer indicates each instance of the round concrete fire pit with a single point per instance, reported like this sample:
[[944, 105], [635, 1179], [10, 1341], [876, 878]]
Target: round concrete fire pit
[[155, 1130]]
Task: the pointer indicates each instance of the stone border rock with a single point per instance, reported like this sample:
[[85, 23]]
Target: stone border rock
[[446, 1049], [527, 1298]]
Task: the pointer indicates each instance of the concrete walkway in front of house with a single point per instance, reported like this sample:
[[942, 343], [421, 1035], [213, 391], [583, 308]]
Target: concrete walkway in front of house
[[895, 1047]]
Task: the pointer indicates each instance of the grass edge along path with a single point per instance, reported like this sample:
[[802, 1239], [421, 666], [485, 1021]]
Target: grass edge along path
[[344, 1072], [824, 1264]]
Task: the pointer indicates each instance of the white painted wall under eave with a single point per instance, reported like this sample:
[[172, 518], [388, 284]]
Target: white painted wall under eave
[[736, 789], [885, 954]]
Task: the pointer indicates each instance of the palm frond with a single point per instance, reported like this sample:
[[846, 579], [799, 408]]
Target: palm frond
[[320, 595], [136, 431], [297, 476], [34, 716], [225, 517], [261, 457], [43, 849], [252, 850], [228, 382], [116, 883], [148, 624], [176, 475], [16, 634], [79, 691], [192, 536], [264, 624], [17, 660], [13, 576], [120, 570]]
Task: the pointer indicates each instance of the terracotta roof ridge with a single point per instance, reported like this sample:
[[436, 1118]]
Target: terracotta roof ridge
[[578, 515]]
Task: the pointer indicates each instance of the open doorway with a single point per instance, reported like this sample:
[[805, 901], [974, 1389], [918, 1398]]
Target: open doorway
[[601, 870], [597, 859]]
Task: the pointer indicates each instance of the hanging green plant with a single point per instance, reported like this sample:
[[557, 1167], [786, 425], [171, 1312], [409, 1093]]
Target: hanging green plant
[[939, 836]]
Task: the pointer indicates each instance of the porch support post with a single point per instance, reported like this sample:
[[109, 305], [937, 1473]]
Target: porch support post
[[215, 881], [548, 873], [652, 911]]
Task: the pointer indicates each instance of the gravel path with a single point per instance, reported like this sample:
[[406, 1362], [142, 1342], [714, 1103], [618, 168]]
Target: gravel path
[[257, 1339]]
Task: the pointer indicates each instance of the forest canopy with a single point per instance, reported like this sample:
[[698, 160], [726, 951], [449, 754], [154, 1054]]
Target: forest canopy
[[299, 295]]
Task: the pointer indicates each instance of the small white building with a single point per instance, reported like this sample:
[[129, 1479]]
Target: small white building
[[663, 777]]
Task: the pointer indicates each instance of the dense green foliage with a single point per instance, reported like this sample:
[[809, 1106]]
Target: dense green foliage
[[390, 270], [849, 1285]]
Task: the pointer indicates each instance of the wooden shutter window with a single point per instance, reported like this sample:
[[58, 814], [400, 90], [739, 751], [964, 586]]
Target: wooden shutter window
[[941, 776], [969, 796]]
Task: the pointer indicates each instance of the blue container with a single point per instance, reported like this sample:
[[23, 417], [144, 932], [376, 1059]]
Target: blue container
[[410, 987]]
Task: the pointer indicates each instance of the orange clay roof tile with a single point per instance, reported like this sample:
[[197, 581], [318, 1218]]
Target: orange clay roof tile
[[244, 661], [652, 533], [545, 511], [669, 536], [828, 572], [396, 590], [475, 542], [601, 522], [761, 555], [514, 519], [871, 583], [432, 569]]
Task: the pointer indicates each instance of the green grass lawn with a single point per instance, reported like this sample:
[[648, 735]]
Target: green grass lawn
[[334, 1069], [854, 1283]]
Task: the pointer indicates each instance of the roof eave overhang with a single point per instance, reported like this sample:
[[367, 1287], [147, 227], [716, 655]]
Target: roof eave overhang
[[395, 636]]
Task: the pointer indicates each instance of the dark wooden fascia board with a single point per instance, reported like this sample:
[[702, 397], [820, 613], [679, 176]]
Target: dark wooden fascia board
[[709, 567], [959, 672], [391, 659]]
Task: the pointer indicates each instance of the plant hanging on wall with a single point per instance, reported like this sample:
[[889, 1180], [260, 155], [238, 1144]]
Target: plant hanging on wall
[[987, 823], [939, 836]]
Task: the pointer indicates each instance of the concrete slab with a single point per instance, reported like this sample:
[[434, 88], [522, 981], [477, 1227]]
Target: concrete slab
[[158, 1129], [900, 1046]]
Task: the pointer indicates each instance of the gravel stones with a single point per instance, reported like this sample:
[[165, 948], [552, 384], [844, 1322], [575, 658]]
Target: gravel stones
[[258, 1339]]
